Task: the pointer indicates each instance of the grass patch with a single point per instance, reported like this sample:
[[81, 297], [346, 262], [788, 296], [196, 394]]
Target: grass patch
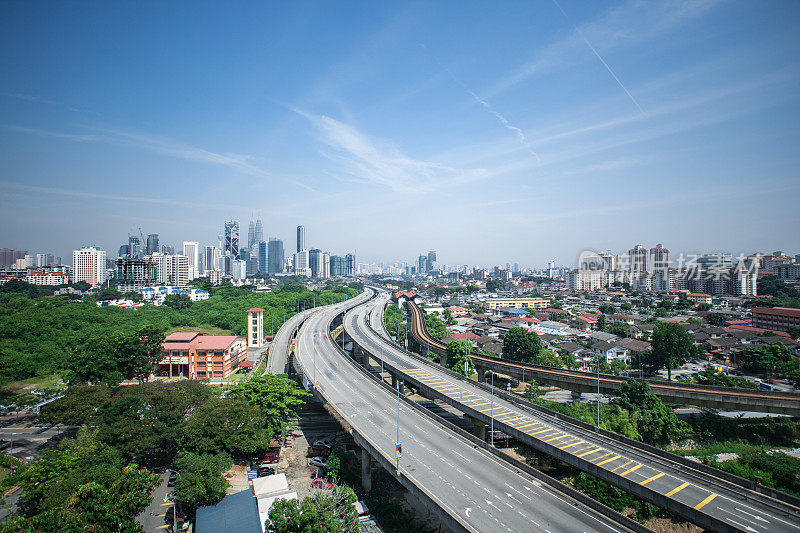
[[206, 329], [737, 447], [3, 474], [27, 385]]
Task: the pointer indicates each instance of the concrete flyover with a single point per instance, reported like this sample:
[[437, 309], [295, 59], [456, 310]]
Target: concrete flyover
[[705, 496], [467, 486], [787, 403]]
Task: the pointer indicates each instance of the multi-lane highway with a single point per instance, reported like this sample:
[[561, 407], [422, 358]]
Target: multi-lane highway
[[692, 394], [693, 493], [480, 491]]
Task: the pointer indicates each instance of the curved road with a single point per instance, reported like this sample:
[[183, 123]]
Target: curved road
[[729, 505], [480, 491]]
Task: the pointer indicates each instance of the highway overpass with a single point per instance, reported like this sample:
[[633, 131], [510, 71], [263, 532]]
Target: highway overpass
[[703, 495], [672, 392], [470, 487]]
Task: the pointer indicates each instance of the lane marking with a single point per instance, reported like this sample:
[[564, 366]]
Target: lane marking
[[576, 442], [634, 469], [526, 425], [604, 455], [677, 489], [705, 502], [590, 452], [646, 481], [554, 438], [622, 466]]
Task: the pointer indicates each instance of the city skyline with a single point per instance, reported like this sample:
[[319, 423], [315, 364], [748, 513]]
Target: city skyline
[[522, 134]]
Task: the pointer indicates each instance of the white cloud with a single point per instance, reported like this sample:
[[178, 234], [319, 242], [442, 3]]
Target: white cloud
[[385, 165]]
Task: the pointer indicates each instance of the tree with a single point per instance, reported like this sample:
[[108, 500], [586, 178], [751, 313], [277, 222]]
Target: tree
[[794, 331], [323, 512], [229, 424], [178, 301], [625, 306], [457, 356], [655, 422], [138, 354], [671, 347], [276, 395], [601, 323], [607, 309], [521, 345], [200, 477], [619, 329], [715, 319], [493, 285]]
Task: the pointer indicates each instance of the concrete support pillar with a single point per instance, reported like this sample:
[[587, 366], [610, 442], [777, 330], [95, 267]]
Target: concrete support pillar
[[394, 381], [443, 359], [478, 428], [366, 470], [481, 375]]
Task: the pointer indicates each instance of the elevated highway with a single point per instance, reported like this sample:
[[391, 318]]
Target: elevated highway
[[472, 488], [703, 495], [684, 393]]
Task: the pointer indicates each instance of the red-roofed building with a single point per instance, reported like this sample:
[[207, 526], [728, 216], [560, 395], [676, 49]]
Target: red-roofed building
[[255, 327], [758, 330], [193, 355], [465, 336], [699, 298], [775, 318], [458, 311]]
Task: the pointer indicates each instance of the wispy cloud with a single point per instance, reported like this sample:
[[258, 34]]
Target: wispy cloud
[[156, 144], [625, 26], [382, 164]]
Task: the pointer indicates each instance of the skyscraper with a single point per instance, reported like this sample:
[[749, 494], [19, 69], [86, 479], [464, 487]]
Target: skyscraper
[[191, 250], [152, 243], [251, 236], [350, 264], [230, 245], [259, 234], [431, 260], [315, 262], [422, 264], [262, 257], [135, 247], [210, 259], [301, 238], [275, 256]]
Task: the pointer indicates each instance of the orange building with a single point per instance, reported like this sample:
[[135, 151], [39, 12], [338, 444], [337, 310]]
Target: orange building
[[194, 355]]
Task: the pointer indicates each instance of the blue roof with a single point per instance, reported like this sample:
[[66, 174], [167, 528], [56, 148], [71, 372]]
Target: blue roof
[[515, 311], [237, 512]]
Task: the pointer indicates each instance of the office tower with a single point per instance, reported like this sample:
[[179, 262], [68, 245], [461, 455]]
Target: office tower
[[135, 247], [338, 267], [659, 258], [89, 265], [210, 259], [152, 243], [275, 256], [301, 263], [170, 269], [262, 257], [315, 262], [638, 258], [259, 235], [350, 264], [230, 245], [431, 263], [8, 256], [167, 249], [124, 250], [301, 238], [422, 264], [191, 249], [238, 269], [609, 261], [717, 260], [251, 235]]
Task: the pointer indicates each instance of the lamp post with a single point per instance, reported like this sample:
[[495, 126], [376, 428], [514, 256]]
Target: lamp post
[[598, 391], [491, 429]]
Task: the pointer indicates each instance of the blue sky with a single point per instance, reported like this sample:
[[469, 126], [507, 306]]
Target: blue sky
[[489, 131]]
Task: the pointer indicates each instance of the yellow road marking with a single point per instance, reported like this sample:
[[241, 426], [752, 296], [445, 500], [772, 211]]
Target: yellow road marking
[[622, 466], [526, 425], [634, 469], [677, 489], [446, 389], [165, 526], [479, 404], [604, 455], [646, 481], [514, 419], [590, 452], [583, 449], [166, 504], [609, 460], [704, 502], [556, 437], [576, 442]]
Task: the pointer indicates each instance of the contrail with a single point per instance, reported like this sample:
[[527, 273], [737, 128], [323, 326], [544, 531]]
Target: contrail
[[608, 68], [504, 121]]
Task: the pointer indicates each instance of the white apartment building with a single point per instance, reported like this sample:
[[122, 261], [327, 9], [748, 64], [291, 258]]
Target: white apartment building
[[171, 269], [89, 265]]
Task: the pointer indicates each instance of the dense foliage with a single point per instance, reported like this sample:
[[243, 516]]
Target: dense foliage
[[394, 321], [458, 359], [710, 376], [671, 347], [43, 335], [435, 326], [521, 345], [323, 512]]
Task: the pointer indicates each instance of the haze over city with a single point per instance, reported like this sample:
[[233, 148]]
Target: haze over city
[[519, 132]]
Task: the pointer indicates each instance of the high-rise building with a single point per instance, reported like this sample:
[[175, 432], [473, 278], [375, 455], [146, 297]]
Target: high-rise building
[[152, 243], [259, 235], [301, 238], [230, 245], [251, 235], [89, 265], [170, 269], [350, 265], [134, 274], [315, 262], [325, 267], [275, 256], [262, 257], [431, 262], [135, 247], [167, 249], [338, 265], [659, 258], [210, 259], [8, 256], [422, 264], [301, 263], [638, 258], [191, 249]]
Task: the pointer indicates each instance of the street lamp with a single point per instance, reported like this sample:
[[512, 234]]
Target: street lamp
[[598, 391], [491, 411]]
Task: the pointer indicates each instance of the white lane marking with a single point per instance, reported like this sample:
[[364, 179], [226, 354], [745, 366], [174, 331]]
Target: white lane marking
[[458, 454], [518, 492]]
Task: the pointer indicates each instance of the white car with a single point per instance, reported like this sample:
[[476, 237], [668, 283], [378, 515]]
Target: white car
[[318, 461], [326, 441]]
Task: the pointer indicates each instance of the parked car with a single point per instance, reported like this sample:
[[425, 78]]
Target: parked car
[[325, 441], [321, 451], [320, 483], [265, 471], [270, 457], [318, 461], [173, 477]]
